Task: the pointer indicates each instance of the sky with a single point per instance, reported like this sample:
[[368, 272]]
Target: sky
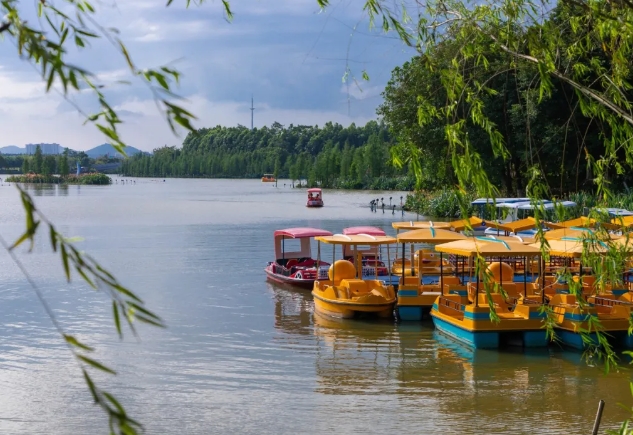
[[289, 55]]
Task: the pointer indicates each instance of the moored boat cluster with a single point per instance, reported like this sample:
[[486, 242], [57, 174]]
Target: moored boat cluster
[[485, 291]]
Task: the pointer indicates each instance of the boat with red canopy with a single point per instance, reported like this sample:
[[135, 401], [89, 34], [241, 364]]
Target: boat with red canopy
[[370, 255], [315, 198], [293, 260]]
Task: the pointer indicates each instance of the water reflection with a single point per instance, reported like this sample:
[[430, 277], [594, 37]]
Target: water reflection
[[293, 309], [62, 189]]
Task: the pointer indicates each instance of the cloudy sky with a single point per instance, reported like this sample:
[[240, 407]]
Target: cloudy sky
[[288, 54]]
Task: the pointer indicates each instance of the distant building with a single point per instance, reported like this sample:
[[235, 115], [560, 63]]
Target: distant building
[[47, 148]]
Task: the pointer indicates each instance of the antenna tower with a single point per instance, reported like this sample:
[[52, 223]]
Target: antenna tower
[[252, 112]]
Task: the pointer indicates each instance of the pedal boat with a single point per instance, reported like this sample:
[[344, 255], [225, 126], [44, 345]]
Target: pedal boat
[[315, 198], [415, 297], [612, 308], [346, 293], [466, 315], [296, 268]]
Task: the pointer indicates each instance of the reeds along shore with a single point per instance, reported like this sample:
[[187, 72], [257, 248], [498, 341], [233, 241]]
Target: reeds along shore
[[86, 179]]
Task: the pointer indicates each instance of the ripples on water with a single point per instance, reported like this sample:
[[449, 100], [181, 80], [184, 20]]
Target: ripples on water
[[242, 355]]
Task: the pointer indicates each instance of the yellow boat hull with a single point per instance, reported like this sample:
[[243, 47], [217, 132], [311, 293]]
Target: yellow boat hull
[[351, 297]]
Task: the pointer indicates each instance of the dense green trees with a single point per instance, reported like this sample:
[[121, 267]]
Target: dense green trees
[[331, 156], [484, 113]]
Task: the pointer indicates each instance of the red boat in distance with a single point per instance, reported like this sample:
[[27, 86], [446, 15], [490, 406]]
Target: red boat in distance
[[296, 267], [315, 198]]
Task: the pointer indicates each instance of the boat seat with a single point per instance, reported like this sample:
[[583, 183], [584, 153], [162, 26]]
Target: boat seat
[[355, 286], [291, 263]]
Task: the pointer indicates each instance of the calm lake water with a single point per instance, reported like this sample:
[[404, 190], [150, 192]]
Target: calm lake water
[[241, 355]]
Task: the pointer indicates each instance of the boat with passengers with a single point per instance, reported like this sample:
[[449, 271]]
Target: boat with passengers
[[464, 312], [346, 292], [296, 266], [315, 197]]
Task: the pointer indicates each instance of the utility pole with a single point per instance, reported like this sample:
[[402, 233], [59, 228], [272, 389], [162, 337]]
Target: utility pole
[[252, 112]]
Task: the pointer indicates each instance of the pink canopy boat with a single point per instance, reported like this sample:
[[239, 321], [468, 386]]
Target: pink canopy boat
[[315, 198], [297, 267]]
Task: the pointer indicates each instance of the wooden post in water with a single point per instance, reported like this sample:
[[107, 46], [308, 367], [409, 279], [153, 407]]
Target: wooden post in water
[[596, 423]]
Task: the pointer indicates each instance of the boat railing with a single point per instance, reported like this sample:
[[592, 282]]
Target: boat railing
[[607, 302], [450, 304]]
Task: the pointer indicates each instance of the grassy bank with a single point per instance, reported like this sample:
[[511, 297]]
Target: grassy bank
[[87, 179]]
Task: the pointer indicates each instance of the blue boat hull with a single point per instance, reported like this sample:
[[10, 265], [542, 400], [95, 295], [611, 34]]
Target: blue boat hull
[[489, 339]]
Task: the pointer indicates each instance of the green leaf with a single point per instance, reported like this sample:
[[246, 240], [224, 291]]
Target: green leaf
[[76, 343], [91, 386], [117, 320], [64, 255], [95, 364]]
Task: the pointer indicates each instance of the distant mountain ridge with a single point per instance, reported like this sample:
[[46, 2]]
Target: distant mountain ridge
[[95, 152], [12, 149], [108, 149]]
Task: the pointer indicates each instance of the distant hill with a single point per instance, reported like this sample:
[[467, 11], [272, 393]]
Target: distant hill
[[108, 149], [12, 149]]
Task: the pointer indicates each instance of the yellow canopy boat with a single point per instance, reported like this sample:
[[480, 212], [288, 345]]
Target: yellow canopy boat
[[467, 317], [415, 297], [345, 293], [572, 316]]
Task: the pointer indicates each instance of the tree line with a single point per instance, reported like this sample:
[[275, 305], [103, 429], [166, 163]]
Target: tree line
[[329, 156]]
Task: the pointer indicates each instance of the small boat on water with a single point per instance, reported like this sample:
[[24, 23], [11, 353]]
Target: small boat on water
[[296, 267], [346, 292], [422, 278], [315, 198], [268, 178], [573, 317], [464, 313]]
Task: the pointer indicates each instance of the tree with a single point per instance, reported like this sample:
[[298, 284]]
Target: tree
[[25, 166], [38, 160], [49, 165], [63, 165]]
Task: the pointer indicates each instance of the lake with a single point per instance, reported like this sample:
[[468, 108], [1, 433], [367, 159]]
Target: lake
[[241, 355]]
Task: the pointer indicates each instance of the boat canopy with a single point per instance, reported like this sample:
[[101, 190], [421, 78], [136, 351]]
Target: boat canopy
[[615, 212], [482, 201], [299, 233], [372, 231], [582, 221], [547, 205], [314, 190], [624, 221], [526, 240], [515, 226], [430, 235], [356, 239], [565, 248], [488, 247], [575, 232], [462, 224], [417, 225], [304, 234]]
